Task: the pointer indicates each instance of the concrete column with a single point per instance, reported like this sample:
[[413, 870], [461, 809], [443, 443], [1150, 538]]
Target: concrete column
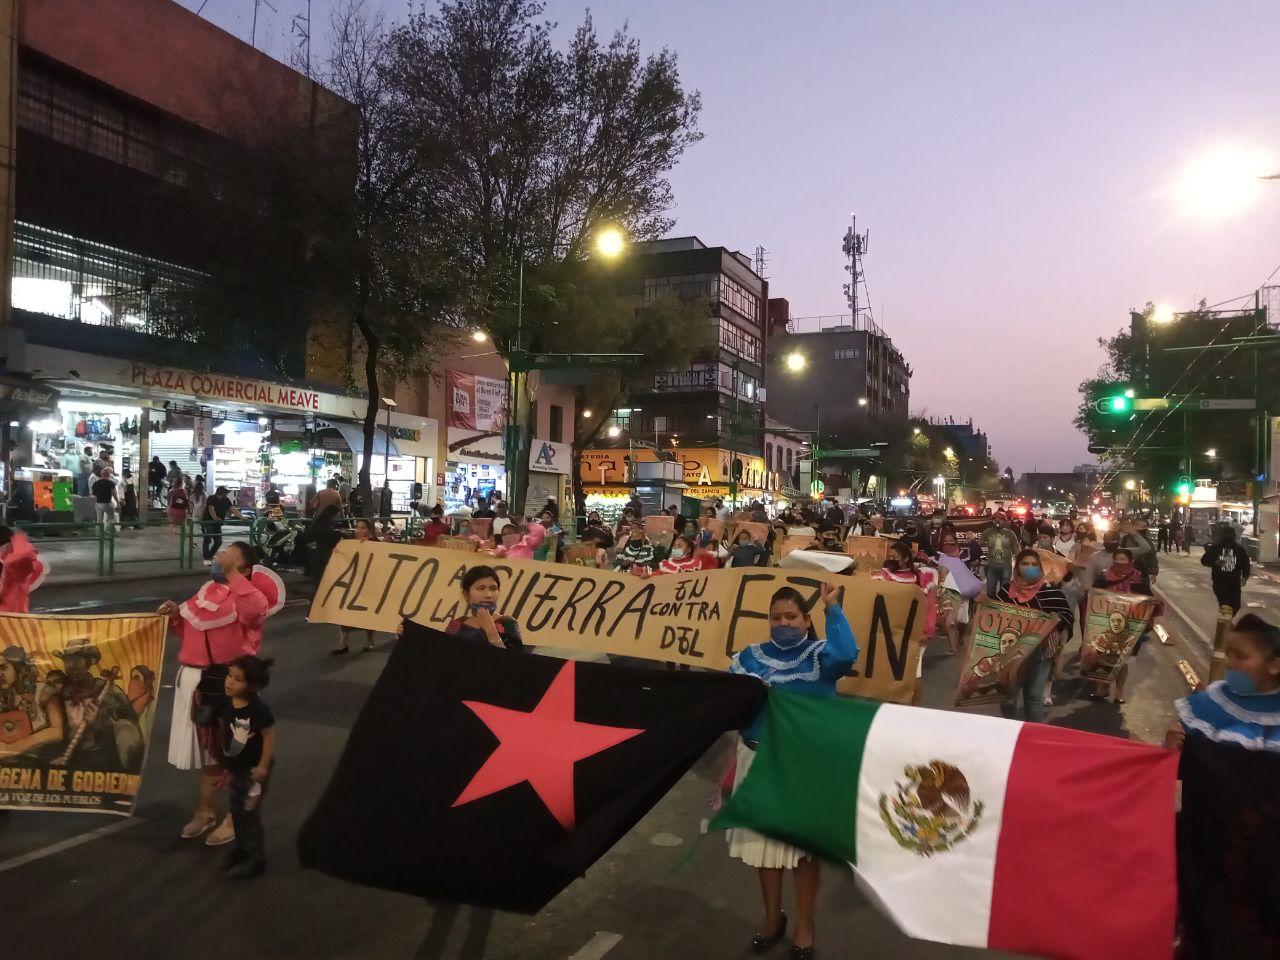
[[141, 475], [8, 147]]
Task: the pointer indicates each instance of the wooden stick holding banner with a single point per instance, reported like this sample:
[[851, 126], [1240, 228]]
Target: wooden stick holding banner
[[698, 618]]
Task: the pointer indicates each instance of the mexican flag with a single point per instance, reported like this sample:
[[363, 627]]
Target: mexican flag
[[975, 830]]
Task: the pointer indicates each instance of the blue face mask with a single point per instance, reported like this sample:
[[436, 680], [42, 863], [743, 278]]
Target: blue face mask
[[1239, 682], [217, 573], [786, 636], [1031, 574]]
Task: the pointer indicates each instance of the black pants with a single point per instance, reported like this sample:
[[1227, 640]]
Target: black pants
[[212, 539], [246, 817], [1227, 594], [1162, 542]]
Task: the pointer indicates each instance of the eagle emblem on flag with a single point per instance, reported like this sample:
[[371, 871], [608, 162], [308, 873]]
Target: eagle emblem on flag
[[932, 810]]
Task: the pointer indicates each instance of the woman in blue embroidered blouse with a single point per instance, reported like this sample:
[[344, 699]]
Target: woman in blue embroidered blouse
[[1245, 707], [796, 659]]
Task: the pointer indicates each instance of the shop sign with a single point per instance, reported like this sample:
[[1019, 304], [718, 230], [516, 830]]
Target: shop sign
[[28, 393], [548, 457], [215, 386], [699, 378], [411, 434], [701, 467], [468, 446]]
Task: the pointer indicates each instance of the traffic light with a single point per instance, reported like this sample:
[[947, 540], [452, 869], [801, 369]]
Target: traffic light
[[1120, 403], [1182, 489]]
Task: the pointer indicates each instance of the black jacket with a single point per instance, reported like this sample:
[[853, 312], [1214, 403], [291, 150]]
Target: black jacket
[[1229, 563]]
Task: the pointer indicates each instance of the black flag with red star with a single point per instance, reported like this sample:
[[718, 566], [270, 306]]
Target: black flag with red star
[[495, 778]]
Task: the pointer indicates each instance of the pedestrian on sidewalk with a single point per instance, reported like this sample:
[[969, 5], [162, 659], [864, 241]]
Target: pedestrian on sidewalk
[[1123, 576], [1162, 536], [199, 498], [362, 532], [216, 510], [175, 477], [84, 479], [248, 743], [793, 659], [129, 505], [1229, 568], [155, 478], [222, 621], [105, 499], [1000, 544], [179, 505], [1029, 589]]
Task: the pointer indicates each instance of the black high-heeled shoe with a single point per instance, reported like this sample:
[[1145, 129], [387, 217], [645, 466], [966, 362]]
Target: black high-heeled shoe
[[760, 944], [803, 953]]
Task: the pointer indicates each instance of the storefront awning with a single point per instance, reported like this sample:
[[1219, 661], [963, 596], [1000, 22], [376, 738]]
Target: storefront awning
[[353, 434]]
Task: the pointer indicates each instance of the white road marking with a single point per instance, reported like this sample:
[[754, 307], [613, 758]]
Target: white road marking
[[54, 848], [598, 946], [1208, 640]]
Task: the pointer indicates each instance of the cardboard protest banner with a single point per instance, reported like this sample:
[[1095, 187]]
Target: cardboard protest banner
[[759, 531], [868, 552], [1004, 636], [1112, 625], [1086, 550], [658, 525], [482, 527], [582, 554], [790, 544], [699, 618], [53, 755], [457, 543], [1055, 565], [969, 529], [715, 526]]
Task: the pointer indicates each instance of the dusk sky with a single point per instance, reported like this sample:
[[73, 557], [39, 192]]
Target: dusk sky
[[1016, 163]]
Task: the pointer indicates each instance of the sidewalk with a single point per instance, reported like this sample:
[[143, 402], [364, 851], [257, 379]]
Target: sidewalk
[[139, 554]]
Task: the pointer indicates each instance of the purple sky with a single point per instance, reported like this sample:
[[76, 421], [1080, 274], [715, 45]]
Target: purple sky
[[1013, 162]]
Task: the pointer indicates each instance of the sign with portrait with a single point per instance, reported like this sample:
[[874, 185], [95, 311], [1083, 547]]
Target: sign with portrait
[[1004, 637], [1112, 625]]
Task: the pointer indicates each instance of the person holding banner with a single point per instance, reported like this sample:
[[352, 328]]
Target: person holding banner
[[21, 570], [222, 621], [793, 659], [959, 587], [1028, 588], [685, 557], [635, 551], [1122, 576], [900, 567], [362, 531]]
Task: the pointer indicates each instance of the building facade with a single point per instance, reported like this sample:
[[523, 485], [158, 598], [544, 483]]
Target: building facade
[[126, 116], [709, 415]]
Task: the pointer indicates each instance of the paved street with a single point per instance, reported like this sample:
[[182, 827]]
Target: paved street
[[640, 901]]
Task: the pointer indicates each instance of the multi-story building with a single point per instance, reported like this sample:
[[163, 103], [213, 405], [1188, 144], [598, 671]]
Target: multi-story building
[[125, 114], [709, 415]]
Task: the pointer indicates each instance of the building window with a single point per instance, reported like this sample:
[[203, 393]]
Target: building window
[[768, 456], [848, 353], [556, 427], [738, 298], [689, 286], [736, 340], [790, 461]]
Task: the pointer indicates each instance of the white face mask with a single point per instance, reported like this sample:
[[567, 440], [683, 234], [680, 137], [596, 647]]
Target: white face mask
[[677, 553]]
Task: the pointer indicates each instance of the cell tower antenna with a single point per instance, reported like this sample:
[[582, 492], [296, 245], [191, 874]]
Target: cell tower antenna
[[762, 263], [855, 246]]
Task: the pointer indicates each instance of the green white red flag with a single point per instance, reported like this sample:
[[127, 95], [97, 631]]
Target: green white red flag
[[975, 830]]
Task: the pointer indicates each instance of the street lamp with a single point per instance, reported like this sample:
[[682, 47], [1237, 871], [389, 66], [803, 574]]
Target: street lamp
[[916, 431], [1130, 485], [614, 431], [479, 336], [586, 414], [796, 361], [862, 401], [1211, 452], [386, 456]]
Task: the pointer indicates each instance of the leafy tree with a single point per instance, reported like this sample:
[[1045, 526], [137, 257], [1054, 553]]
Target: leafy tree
[[524, 152]]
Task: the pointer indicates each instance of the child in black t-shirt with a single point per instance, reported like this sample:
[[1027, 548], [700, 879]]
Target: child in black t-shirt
[[248, 734]]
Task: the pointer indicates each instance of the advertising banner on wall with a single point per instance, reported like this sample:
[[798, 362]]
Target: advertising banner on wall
[[476, 403]]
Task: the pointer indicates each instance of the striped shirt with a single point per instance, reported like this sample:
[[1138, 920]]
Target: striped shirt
[[1047, 600]]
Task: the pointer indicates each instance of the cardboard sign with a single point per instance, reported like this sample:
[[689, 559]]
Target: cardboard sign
[[660, 524], [715, 526], [582, 554], [458, 543], [791, 544], [1055, 565], [1004, 636], [699, 618], [969, 529], [1086, 550], [759, 531], [482, 527], [868, 552], [1112, 625]]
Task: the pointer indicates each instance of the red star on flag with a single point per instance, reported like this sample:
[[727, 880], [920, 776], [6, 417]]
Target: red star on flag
[[540, 746]]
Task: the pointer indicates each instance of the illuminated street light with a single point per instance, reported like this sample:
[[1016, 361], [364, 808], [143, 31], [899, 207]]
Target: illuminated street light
[[1211, 452], [1130, 485], [915, 430], [949, 453], [479, 336], [862, 401], [610, 242], [795, 361], [614, 431], [586, 414]]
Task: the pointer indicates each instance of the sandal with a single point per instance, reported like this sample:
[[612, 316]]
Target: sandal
[[198, 826]]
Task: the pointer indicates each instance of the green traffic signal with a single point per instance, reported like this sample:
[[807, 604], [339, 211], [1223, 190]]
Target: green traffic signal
[[1121, 403], [1183, 487]]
